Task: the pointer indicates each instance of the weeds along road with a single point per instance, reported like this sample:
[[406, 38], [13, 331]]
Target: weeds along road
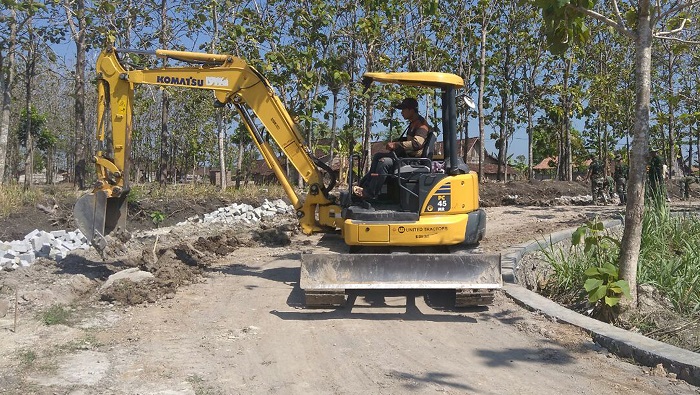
[[242, 330]]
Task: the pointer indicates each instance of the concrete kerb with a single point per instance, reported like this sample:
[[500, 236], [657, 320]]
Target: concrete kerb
[[643, 350]]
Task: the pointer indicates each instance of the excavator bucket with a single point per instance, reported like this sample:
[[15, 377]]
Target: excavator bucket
[[97, 216], [325, 278]]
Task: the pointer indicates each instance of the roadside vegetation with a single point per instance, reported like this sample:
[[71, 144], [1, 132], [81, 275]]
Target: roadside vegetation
[[14, 196], [586, 275]]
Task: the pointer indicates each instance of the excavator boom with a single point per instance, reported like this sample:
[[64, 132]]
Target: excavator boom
[[232, 81]]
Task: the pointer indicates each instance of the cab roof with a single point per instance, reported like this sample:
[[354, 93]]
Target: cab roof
[[424, 79]]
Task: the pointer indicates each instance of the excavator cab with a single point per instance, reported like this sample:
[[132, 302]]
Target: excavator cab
[[422, 233]]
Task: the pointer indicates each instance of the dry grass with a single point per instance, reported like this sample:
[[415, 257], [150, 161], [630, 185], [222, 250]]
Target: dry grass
[[204, 191], [13, 196]]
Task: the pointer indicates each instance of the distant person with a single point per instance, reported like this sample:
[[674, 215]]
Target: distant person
[[655, 173], [597, 177], [411, 146], [620, 175], [685, 185]]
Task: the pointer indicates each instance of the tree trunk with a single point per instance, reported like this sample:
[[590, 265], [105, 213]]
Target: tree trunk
[[7, 76], [334, 126], [239, 165], [632, 236], [367, 133], [164, 162], [565, 159], [80, 86], [28, 78], [164, 139], [49, 165], [690, 151], [671, 155], [482, 82], [502, 132], [560, 152], [530, 170], [220, 130], [78, 33], [221, 133]]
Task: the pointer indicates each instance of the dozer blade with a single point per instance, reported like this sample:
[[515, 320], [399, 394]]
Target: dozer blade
[[98, 215], [332, 273]]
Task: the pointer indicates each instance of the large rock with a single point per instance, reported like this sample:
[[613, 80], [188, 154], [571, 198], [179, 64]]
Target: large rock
[[132, 274]]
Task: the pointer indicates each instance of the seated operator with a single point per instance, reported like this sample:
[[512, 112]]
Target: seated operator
[[412, 146]]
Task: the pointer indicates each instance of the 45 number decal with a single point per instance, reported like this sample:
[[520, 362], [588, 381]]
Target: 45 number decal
[[439, 203]]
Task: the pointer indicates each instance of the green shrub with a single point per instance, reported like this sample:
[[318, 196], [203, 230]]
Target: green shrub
[[27, 358], [55, 315], [590, 265], [603, 285], [157, 217]]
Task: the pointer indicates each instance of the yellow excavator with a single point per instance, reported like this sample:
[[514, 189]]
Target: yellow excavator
[[418, 236]]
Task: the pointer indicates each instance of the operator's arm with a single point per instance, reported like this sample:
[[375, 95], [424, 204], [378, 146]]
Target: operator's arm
[[414, 142]]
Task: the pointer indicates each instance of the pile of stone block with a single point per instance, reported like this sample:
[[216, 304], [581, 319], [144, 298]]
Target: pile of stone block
[[38, 243], [245, 213]]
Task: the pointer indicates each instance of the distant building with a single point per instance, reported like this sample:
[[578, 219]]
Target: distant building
[[260, 172], [547, 169]]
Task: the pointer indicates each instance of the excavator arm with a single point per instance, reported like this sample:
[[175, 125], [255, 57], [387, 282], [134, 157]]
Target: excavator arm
[[234, 82]]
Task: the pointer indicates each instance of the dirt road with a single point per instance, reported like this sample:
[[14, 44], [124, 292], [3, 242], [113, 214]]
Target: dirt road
[[242, 330]]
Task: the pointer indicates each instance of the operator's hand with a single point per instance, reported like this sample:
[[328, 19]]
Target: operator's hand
[[392, 145]]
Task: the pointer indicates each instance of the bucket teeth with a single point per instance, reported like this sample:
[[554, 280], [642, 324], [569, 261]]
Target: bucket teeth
[[97, 216], [89, 213]]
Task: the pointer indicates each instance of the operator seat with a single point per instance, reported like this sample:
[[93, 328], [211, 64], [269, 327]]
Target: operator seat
[[422, 164]]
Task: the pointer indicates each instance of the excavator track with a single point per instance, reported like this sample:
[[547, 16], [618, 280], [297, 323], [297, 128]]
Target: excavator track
[[324, 299], [474, 297]]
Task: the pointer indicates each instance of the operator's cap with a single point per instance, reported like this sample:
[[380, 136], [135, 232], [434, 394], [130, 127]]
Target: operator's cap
[[408, 102]]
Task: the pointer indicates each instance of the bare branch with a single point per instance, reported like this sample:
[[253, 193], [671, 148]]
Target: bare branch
[[619, 27], [620, 20], [679, 6], [674, 31], [69, 18], [677, 39]]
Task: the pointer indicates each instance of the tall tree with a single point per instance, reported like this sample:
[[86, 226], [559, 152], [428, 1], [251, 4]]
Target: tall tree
[[76, 17], [165, 166], [30, 61], [564, 22], [8, 46], [486, 14]]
